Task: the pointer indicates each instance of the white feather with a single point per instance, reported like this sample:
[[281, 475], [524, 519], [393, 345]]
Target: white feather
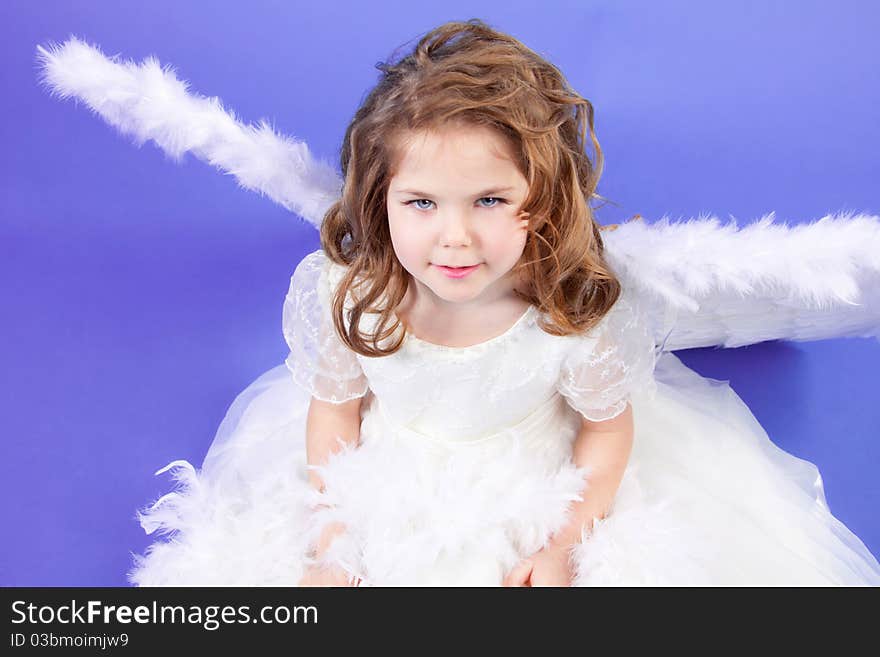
[[148, 102], [708, 284]]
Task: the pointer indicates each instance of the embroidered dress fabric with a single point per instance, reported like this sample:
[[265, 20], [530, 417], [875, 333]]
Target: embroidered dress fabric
[[464, 467]]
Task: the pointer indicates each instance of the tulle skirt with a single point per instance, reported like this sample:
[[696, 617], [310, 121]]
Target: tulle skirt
[[706, 500]]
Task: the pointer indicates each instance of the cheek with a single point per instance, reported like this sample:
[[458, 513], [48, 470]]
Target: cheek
[[506, 243], [406, 242]]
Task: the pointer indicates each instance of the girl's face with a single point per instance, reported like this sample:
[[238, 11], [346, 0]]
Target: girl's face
[[454, 200]]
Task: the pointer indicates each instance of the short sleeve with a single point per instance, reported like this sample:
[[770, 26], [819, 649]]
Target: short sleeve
[[602, 367], [318, 360]]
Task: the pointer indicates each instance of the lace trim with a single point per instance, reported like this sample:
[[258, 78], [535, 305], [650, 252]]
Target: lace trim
[[598, 381], [318, 360]]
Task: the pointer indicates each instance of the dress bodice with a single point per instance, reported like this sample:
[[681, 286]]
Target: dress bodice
[[463, 393]]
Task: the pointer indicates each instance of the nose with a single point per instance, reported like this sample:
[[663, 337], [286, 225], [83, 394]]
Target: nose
[[455, 229]]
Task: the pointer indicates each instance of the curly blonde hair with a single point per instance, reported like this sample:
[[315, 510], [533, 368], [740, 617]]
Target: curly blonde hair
[[469, 72]]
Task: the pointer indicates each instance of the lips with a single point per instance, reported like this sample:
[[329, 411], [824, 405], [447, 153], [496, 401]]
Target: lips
[[457, 272]]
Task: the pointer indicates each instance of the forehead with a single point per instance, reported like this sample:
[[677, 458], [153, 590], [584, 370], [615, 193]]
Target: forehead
[[460, 152]]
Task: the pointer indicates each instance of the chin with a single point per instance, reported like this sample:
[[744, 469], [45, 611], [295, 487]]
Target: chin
[[454, 292]]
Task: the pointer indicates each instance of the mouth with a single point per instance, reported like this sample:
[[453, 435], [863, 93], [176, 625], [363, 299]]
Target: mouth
[[457, 272]]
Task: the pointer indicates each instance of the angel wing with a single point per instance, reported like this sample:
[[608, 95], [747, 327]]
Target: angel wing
[[148, 102], [703, 283]]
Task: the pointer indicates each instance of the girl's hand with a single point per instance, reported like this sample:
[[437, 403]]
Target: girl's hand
[[520, 574], [329, 574], [546, 567]]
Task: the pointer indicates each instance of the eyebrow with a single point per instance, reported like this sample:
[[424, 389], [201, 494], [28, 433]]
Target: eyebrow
[[485, 192]]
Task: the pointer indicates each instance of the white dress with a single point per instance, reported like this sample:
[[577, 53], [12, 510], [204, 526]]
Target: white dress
[[464, 467]]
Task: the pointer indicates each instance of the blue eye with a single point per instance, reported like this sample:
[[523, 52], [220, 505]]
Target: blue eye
[[485, 198], [416, 201]]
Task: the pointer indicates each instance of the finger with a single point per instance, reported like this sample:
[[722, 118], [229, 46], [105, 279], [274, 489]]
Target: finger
[[549, 580], [519, 574]]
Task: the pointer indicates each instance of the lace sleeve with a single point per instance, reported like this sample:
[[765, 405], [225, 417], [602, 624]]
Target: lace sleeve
[[603, 366], [319, 361]]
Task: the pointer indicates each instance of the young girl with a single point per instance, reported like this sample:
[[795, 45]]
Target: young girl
[[471, 398]]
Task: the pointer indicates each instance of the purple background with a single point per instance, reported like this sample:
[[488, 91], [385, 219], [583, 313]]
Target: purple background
[[140, 296]]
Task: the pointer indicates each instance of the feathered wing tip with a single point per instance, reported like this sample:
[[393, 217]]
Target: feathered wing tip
[[149, 102], [708, 284]]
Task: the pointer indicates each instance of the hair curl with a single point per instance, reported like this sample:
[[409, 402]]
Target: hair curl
[[469, 72]]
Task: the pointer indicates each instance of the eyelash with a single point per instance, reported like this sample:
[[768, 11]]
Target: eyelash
[[490, 207]]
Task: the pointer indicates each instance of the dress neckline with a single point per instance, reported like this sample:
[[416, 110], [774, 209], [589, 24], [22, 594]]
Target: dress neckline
[[443, 347]]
